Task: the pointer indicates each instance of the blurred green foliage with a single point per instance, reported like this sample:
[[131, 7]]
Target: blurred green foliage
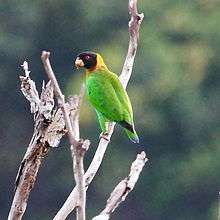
[[174, 90]]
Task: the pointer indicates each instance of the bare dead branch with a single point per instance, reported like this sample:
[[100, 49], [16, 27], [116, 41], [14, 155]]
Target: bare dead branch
[[74, 115], [59, 95], [78, 156], [29, 90], [78, 167], [48, 130], [134, 26], [121, 191], [78, 147]]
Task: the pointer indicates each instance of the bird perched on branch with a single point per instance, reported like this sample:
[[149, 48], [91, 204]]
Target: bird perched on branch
[[106, 94]]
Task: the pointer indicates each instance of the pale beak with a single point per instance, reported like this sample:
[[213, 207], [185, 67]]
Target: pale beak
[[79, 63]]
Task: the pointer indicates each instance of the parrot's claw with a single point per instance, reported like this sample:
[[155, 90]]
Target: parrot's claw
[[104, 135]]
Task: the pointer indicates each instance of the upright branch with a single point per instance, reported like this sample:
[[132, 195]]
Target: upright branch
[[134, 26], [78, 146], [121, 191]]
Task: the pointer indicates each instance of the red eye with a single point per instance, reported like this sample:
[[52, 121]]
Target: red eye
[[87, 57]]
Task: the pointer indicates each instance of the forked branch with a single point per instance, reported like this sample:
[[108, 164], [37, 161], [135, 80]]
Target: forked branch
[[134, 26]]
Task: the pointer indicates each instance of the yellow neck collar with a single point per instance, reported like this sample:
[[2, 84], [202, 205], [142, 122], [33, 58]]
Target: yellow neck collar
[[99, 65]]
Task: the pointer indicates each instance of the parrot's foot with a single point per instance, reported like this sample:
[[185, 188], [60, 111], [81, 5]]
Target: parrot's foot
[[104, 135]]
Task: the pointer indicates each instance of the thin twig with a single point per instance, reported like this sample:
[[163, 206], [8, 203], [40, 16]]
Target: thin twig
[[121, 191], [78, 147], [134, 26]]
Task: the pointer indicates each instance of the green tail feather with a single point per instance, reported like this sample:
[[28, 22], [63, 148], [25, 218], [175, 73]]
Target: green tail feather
[[130, 131], [132, 136]]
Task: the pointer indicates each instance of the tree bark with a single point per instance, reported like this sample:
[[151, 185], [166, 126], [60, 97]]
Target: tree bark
[[48, 130]]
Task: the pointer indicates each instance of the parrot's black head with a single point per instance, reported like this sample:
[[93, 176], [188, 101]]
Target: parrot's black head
[[86, 59]]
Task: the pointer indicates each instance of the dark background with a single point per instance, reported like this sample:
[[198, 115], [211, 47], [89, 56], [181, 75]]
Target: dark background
[[174, 90]]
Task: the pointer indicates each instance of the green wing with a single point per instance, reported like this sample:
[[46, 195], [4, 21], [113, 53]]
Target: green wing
[[102, 121], [123, 98], [107, 95], [103, 97]]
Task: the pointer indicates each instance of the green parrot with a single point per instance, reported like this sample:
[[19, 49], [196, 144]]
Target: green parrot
[[106, 94]]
